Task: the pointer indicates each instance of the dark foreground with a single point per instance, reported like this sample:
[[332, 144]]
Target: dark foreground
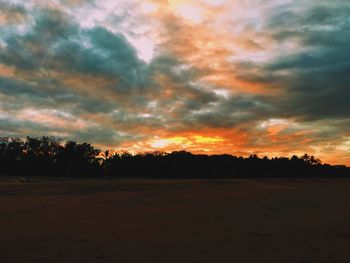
[[176, 221]]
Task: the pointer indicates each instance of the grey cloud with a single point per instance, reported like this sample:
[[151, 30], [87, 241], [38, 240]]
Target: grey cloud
[[46, 93], [232, 112], [57, 44], [20, 128], [109, 55], [102, 136], [323, 24], [315, 77]]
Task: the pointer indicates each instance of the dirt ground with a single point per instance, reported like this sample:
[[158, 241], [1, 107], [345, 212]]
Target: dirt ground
[[175, 221]]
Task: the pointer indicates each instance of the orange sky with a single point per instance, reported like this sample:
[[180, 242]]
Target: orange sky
[[206, 76]]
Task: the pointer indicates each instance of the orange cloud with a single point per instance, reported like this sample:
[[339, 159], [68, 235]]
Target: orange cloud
[[53, 119], [207, 45], [6, 71], [11, 16], [212, 141]]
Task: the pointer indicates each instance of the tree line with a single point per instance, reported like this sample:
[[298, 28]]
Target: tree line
[[51, 156]]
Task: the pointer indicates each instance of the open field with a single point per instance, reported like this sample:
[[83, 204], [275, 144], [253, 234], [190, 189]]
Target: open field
[[175, 221]]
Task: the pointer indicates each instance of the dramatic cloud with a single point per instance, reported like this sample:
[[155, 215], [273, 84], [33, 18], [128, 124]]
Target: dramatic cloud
[[224, 76]]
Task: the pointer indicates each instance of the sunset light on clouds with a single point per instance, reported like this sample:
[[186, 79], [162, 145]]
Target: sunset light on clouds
[[206, 76]]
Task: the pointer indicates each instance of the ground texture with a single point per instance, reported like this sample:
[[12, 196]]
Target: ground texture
[[175, 221]]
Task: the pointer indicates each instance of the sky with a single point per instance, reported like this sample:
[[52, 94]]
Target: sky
[[266, 77]]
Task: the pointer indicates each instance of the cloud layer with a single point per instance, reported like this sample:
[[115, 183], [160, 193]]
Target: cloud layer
[[240, 77]]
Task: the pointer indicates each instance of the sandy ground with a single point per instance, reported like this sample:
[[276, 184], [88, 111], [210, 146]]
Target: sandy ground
[[176, 221]]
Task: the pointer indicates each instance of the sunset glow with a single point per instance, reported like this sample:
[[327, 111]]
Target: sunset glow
[[206, 76]]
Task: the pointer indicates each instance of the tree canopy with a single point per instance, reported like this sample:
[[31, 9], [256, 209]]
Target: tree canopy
[[50, 156]]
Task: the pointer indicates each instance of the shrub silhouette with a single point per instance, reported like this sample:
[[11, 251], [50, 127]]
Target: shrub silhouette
[[50, 156]]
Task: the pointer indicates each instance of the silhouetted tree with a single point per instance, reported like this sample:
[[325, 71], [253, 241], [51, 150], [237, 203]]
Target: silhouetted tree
[[310, 160], [39, 155], [76, 159], [49, 156], [11, 153]]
